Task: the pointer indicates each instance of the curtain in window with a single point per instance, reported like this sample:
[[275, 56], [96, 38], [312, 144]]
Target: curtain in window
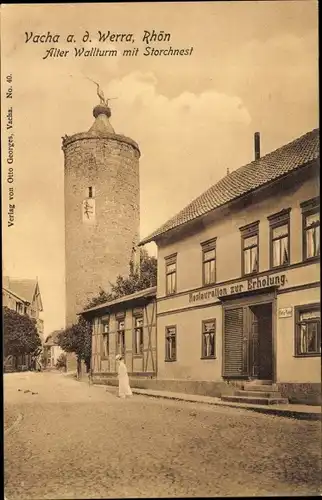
[[313, 242], [303, 338], [312, 223], [276, 253], [253, 259], [209, 344], [309, 329], [284, 251], [170, 345]]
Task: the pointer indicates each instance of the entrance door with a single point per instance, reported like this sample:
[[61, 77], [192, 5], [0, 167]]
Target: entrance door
[[248, 351], [260, 342]]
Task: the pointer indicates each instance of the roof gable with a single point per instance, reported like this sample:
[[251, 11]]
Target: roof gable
[[23, 287], [147, 293], [28, 289], [246, 179]]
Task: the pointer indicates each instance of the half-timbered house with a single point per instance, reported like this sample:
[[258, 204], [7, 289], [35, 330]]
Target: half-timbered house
[[124, 326]]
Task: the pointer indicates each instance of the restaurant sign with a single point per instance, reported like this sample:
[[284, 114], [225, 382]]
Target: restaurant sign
[[251, 284]]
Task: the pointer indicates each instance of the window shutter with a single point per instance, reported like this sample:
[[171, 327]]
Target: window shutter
[[233, 343]]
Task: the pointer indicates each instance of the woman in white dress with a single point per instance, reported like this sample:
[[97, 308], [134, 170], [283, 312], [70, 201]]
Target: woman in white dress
[[124, 384]]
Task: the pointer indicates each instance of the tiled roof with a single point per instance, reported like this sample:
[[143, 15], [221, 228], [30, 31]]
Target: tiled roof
[[23, 287], [246, 179], [146, 293], [13, 294]]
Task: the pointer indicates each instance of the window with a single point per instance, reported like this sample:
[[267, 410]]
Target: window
[[208, 338], [311, 228], [19, 307], [250, 248], [209, 262], [280, 238], [171, 274], [106, 337], [138, 335], [90, 192], [308, 330], [170, 343], [121, 337]]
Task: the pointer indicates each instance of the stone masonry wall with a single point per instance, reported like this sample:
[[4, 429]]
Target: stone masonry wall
[[96, 252]]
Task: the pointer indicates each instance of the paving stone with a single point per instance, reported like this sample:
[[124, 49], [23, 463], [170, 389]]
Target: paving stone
[[79, 441]]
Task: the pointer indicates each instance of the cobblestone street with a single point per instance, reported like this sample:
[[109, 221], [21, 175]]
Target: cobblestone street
[[72, 440]]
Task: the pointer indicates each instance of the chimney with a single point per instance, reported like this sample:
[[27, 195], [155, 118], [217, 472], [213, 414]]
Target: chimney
[[257, 145]]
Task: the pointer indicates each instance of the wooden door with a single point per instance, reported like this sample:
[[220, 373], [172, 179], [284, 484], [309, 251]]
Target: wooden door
[[265, 346], [253, 344], [236, 343], [261, 352]]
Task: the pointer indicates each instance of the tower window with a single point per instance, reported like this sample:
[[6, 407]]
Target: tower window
[[90, 192]]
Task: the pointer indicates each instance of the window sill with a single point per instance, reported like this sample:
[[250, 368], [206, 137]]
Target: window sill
[[277, 268], [312, 259], [138, 355], [310, 355], [170, 294], [170, 360], [249, 275], [208, 357]]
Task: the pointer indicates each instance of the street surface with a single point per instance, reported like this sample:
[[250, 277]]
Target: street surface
[[71, 440]]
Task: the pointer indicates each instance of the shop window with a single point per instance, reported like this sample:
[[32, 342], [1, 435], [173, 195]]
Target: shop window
[[280, 238], [120, 347], [250, 248], [106, 337], [308, 330], [138, 336], [208, 339], [171, 274], [209, 262], [170, 343], [311, 228]]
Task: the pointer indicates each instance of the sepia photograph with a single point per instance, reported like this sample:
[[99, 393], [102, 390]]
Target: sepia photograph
[[161, 249]]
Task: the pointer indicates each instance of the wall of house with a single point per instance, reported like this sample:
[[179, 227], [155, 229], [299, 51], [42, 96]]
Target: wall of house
[[290, 368], [55, 352], [194, 302], [189, 364], [136, 364], [228, 244], [12, 302]]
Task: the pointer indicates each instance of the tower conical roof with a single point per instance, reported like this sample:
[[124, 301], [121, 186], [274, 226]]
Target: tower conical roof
[[102, 125]]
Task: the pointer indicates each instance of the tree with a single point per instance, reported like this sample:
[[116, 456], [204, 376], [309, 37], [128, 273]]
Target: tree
[[138, 279], [77, 339], [20, 334]]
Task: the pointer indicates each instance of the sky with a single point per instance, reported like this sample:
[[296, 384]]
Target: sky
[[254, 67]]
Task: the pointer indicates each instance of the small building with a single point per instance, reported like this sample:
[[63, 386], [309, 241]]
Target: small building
[[238, 291], [23, 296], [124, 326], [51, 350]]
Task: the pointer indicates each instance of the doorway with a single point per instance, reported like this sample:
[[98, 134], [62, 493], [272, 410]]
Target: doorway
[[260, 342], [248, 340]]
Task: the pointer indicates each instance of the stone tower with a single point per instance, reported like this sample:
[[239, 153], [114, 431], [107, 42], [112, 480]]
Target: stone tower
[[102, 209]]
